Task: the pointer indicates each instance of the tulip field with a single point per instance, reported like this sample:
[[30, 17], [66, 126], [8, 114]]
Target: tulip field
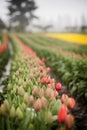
[[46, 84], [71, 37]]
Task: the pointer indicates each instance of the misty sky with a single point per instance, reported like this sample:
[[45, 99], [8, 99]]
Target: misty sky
[[51, 10]]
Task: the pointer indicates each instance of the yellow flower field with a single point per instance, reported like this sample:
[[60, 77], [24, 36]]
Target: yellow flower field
[[70, 37]]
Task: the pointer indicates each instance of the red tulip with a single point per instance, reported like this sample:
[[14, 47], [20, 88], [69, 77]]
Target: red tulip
[[71, 103], [43, 60], [41, 69], [62, 114], [64, 98], [58, 86], [69, 121], [42, 80], [45, 80], [48, 79], [55, 94], [48, 69]]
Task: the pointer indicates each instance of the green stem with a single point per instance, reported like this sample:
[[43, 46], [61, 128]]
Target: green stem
[[2, 123], [8, 123]]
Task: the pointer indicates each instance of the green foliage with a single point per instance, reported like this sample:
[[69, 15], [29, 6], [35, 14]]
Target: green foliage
[[56, 107]]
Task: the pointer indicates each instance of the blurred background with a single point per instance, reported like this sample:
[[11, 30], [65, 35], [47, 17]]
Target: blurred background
[[43, 15]]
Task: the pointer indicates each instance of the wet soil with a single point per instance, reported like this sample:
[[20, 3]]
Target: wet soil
[[80, 114], [80, 110]]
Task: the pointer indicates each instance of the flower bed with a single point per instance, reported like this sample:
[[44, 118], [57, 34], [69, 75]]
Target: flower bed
[[69, 47], [71, 37], [71, 71], [31, 97]]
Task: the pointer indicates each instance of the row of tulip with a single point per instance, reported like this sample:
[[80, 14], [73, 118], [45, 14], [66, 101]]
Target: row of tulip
[[31, 97], [4, 54], [71, 48], [71, 71], [57, 49], [79, 38], [4, 45]]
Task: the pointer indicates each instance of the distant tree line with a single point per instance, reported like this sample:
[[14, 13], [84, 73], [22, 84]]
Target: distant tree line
[[21, 14]]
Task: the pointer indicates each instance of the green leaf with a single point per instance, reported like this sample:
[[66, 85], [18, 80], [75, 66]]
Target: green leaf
[[56, 107], [74, 88]]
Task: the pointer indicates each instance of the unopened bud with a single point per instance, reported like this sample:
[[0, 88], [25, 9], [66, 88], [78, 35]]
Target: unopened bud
[[24, 105], [21, 91], [41, 92], [17, 73], [38, 105], [49, 117], [71, 103], [2, 109], [19, 113], [44, 102], [69, 121], [31, 100], [49, 93], [26, 98], [12, 112], [35, 90], [6, 104]]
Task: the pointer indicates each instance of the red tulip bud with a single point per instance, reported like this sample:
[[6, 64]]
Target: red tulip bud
[[58, 86], [48, 69], [41, 69], [69, 121], [64, 98], [62, 113], [43, 60], [38, 105], [71, 103], [31, 100], [55, 94]]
